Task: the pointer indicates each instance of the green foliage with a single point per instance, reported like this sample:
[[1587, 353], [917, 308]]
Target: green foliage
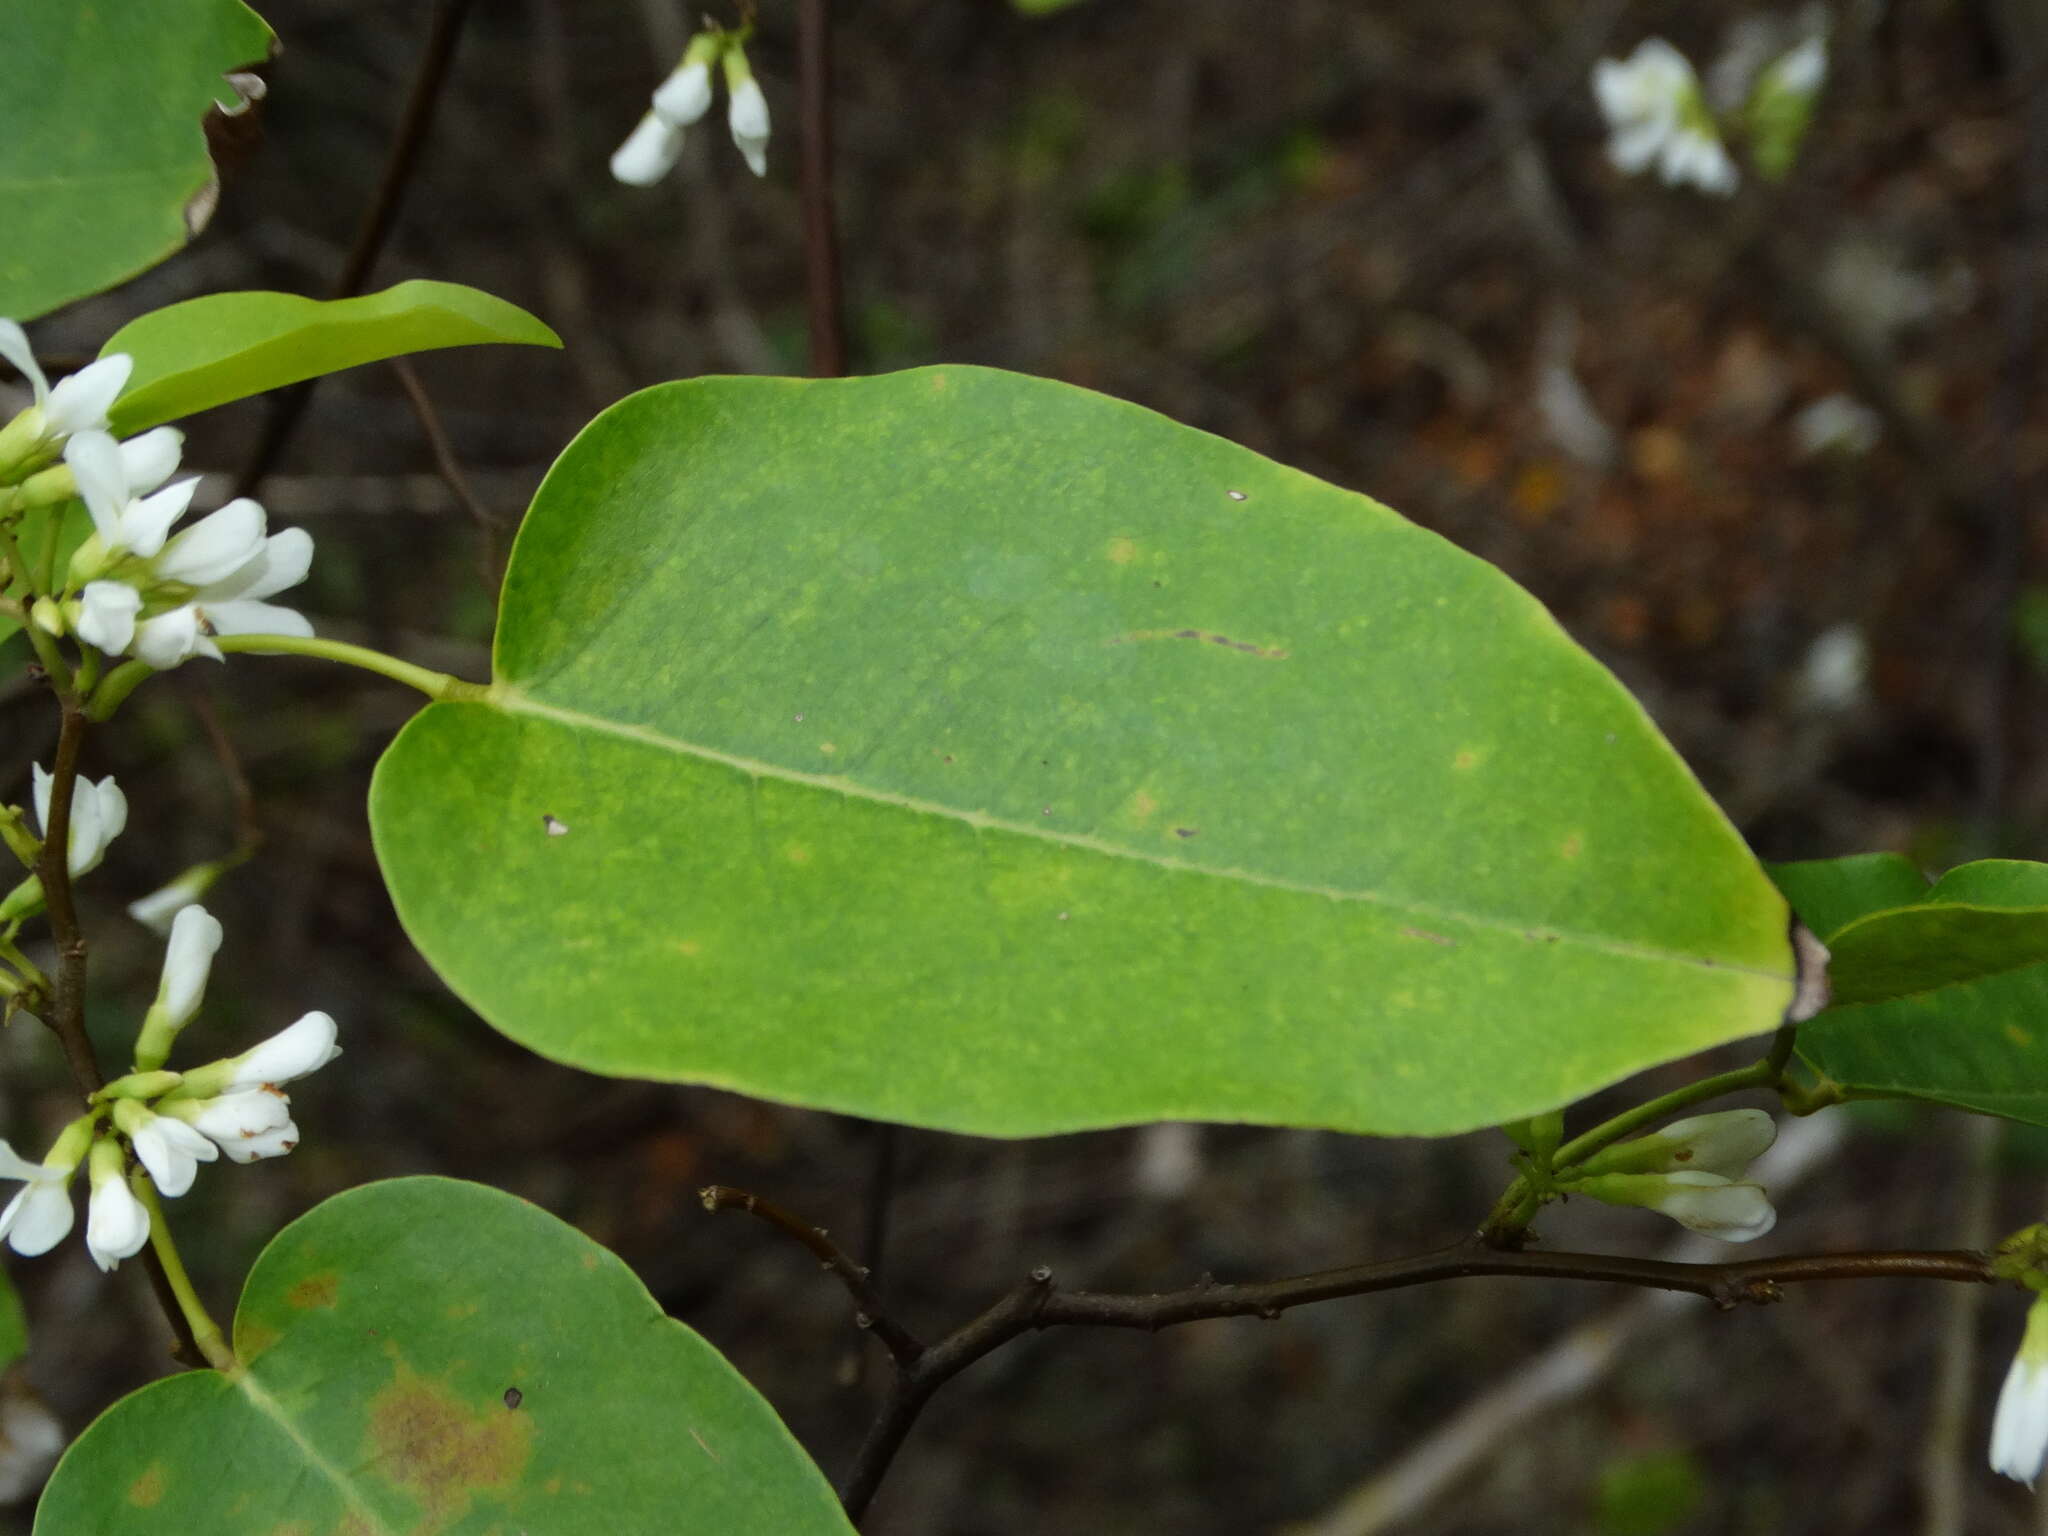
[[13, 1323], [428, 1355], [1939, 991], [975, 751], [101, 147], [1042, 7], [1648, 1494], [205, 352]]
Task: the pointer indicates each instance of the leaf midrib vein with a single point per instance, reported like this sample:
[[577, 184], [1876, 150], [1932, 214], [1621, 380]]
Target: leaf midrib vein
[[245, 1383], [512, 701]]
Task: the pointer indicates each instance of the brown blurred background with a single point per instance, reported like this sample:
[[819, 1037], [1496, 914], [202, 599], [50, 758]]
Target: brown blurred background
[[1378, 241]]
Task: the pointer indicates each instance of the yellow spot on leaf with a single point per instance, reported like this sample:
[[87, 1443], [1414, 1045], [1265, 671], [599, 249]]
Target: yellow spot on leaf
[[828, 747], [315, 1291], [443, 1451], [1122, 551], [252, 1339], [462, 1309], [797, 853], [1143, 806], [2018, 1036], [1573, 846], [689, 949], [147, 1491], [1467, 759]]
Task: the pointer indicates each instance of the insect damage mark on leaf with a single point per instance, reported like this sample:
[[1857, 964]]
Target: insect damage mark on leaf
[[442, 1451], [1263, 652]]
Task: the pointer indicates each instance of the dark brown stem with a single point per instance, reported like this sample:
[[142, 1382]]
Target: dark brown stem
[[824, 293], [1039, 1303], [902, 1345], [410, 137], [67, 1006]]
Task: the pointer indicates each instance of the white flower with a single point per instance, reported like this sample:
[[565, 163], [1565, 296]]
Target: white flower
[[79, 403], [1655, 112], [247, 1124], [1798, 71], [649, 153], [747, 114], [123, 522], [685, 96], [159, 909], [2019, 1428], [106, 615], [169, 1148], [116, 1225], [151, 458], [303, 1047], [98, 813], [1720, 1207], [231, 604], [38, 1217], [1723, 1143], [195, 940]]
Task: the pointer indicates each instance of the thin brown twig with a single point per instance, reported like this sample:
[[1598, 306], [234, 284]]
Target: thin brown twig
[[869, 1313], [490, 564], [407, 140], [248, 834], [1038, 1303]]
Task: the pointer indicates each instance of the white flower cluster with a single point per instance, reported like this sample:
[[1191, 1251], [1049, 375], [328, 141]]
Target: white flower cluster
[[652, 148], [1658, 115], [171, 1121], [133, 587], [1690, 1171]]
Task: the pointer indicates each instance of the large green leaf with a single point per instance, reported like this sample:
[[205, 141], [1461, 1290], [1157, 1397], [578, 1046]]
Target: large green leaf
[[207, 351], [972, 750], [1940, 992], [101, 148], [430, 1356]]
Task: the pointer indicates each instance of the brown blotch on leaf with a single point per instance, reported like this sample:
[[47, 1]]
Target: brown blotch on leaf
[[147, 1491], [314, 1291], [441, 1450], [514, 1397], [1426, 935], [1184, 833]]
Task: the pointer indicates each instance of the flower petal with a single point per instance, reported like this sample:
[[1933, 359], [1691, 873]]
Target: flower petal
[[106, 615], [169, 638], [146, 523], [116, 1225], [2019, 1427], [281, 561], [303, 1047], [195, 940], [247, 618], [80, 403], [151, 458], [95, 460], [649, 153], [684, 96], [39, 1218], [215, 546], [15, 348]]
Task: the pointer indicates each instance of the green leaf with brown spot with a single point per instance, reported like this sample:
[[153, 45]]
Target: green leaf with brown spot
[[430, 1358], [976, 751], [104, 167], [1941, 992]]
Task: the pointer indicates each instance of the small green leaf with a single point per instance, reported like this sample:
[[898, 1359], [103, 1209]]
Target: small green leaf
[[102, 152], [205, 352], [976, 751], [427, 1355], [1042, 7], [1829, 894], [1943, 998]]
